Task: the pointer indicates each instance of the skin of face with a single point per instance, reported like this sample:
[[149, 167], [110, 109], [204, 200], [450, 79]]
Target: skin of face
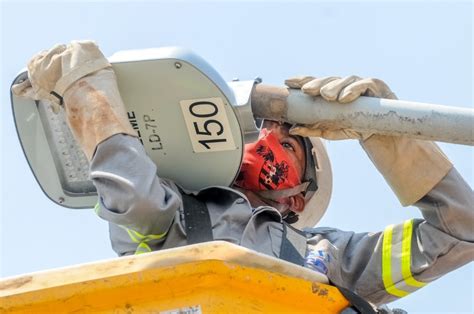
[[294, 147]]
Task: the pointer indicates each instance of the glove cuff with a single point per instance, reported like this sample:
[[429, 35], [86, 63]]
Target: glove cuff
[[95, 110], [79, 72], [411, 167]]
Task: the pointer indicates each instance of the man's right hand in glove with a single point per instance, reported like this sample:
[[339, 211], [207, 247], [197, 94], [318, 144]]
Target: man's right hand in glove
[[411, 167], [340, 90]]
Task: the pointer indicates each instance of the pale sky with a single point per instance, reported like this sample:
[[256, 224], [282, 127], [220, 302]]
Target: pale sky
[[423, 50]]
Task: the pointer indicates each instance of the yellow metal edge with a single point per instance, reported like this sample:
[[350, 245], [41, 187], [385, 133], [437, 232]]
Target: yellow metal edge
[[216, 250], [213, 286]]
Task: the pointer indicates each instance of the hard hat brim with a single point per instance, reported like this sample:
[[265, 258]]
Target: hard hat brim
[[319, 202]]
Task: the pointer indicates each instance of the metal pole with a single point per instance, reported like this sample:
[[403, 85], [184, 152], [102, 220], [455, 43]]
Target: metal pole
[[367, 114]]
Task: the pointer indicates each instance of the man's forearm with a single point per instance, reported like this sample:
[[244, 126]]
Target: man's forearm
[[450, 207], [130, 192]]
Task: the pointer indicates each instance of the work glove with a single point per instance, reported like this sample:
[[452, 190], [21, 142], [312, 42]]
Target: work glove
[[80, 77], [341, 90], [411, 167]]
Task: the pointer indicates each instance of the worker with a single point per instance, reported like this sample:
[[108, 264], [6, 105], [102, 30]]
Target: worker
[[148, 213]]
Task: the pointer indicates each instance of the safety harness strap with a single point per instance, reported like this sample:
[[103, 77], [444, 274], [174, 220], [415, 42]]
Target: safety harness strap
[[293, 245], [358, 304], [197, 220]]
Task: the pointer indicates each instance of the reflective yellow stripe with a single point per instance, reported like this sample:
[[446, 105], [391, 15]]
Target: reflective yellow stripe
[[151, 237], [387, 264], [97, 208], [146, 238], [406, 256], [131, 235], [137, 237], [142, 248]]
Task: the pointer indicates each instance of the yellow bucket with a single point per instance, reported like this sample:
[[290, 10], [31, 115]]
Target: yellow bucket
[[212, 277]]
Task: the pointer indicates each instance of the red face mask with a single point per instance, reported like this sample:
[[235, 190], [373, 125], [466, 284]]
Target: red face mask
[[267, 166]]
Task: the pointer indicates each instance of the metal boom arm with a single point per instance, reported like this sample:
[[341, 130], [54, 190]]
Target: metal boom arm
[[368, 114]]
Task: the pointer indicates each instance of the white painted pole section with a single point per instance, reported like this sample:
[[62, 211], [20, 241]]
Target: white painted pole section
[[367, 114]]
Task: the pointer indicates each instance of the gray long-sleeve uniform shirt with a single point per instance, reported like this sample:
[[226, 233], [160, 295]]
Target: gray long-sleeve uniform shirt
[[145, 214]]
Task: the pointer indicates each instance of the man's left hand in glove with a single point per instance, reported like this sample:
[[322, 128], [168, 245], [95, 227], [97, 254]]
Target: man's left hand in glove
[[80, 77]]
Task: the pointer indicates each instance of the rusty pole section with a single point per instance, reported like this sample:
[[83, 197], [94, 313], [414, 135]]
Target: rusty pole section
[[383, 116]]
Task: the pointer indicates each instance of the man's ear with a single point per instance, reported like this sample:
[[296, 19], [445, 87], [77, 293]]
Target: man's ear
[[297, 203]]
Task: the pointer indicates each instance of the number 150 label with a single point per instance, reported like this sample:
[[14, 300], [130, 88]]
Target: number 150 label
[[207, 124]]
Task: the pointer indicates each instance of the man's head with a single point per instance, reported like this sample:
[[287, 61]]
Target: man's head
[[286, 177]]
